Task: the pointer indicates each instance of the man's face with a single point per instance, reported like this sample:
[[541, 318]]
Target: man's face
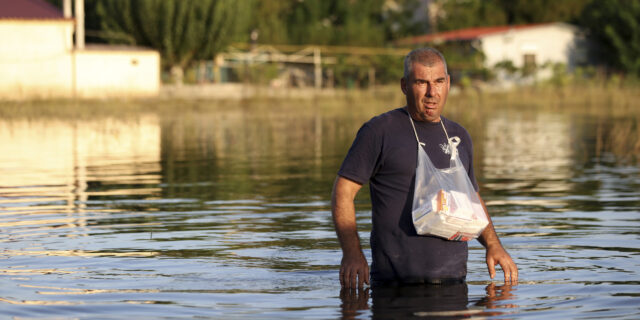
[[426, 89]]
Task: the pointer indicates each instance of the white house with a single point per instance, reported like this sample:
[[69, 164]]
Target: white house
[[38, 58], [531, 45]]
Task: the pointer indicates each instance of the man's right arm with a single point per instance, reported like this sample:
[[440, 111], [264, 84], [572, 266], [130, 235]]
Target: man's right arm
[[354, 267]]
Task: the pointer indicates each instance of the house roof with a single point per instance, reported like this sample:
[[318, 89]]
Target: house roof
[[466, 34], [29, 9]]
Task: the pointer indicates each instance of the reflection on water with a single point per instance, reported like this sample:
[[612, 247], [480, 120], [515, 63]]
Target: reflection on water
[[426, 301], [411, 302], [226, 213], [51, 168], [519, 150]]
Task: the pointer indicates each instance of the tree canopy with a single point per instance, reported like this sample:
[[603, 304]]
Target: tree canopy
[[182, 30], [188, 30], [327, 22], [616, 25], [475, 13]]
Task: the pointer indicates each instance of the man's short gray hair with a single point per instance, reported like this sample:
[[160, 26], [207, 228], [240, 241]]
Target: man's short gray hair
[[423, 56]]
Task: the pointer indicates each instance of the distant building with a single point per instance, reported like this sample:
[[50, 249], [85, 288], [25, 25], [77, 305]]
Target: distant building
[[38, 58], [524, 46]]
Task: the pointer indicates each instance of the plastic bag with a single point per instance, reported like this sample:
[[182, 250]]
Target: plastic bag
[[445, 204]]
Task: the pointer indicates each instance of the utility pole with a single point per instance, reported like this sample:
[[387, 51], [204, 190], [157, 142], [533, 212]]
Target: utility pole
[[79, 24], [66, 8], [317, 62]]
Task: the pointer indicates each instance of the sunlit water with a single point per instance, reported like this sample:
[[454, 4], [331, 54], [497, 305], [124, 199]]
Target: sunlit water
[[226, 214]]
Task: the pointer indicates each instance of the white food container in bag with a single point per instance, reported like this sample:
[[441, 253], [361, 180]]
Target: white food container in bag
[[455, 217]]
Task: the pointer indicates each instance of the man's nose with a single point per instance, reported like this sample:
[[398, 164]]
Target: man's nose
[[429, 92]]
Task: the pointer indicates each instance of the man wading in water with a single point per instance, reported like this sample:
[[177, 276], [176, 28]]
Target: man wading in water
[[384, 154]]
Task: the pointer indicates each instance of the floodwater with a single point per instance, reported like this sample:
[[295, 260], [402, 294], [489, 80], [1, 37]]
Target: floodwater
[[225, 213]]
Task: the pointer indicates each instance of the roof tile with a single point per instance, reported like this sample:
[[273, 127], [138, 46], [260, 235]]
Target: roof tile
[[29, 9], [462, 34]]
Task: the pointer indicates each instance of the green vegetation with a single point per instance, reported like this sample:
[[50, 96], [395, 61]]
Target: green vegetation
[[329, 22], [477, 13], [188, 31], [616, 24], [182, 30]]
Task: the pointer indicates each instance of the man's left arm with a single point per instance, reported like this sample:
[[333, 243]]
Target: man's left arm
[[496, 254]]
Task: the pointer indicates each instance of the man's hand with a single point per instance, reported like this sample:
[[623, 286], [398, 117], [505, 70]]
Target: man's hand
[[496, 255], [354, 269]]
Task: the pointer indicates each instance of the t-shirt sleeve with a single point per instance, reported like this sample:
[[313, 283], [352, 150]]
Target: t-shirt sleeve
[[362, 158]]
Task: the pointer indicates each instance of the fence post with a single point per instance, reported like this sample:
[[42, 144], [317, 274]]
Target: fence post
[[317, 61]]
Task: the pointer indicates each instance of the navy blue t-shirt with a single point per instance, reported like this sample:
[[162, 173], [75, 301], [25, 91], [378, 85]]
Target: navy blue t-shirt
[[384, 153]]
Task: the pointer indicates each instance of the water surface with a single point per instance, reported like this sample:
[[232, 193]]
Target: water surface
[[225, 213]]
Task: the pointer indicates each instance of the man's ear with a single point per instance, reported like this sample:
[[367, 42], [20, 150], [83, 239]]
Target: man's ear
[[403, 85]]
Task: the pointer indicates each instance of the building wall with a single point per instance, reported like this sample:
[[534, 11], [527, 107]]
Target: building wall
[[104, 73], [556, 42], [35, 58]]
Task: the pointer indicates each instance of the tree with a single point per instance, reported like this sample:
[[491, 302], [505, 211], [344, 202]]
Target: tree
[[469, 13], [540, 11], [269, 21], [474, 13], [402, 18], [359, 23], [616, 25], [182, 30], [319, 22]]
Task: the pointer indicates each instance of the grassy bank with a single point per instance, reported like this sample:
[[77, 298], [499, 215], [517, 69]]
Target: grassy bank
[[590, 99], [575, 99]]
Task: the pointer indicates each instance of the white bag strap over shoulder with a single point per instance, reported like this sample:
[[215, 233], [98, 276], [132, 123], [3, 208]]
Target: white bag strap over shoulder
[[453, 142], [414, 129]]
